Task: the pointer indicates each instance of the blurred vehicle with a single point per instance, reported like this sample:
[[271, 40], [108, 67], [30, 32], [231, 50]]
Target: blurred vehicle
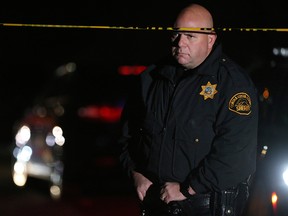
[[272, 176], [38, 150], [68, 137]]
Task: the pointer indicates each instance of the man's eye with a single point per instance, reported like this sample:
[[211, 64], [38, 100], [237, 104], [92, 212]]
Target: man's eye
[[177, 35], [189, 35]]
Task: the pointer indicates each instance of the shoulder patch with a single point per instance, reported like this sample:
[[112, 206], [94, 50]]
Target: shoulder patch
[[240, 103]]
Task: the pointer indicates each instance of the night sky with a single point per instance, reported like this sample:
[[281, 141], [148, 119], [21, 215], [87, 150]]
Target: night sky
[[29, 56]]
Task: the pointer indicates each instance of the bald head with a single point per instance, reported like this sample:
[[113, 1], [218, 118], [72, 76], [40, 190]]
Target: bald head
[[194, 16]]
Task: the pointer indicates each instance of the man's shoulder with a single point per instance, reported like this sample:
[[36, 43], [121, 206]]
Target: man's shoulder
[[234, 71]]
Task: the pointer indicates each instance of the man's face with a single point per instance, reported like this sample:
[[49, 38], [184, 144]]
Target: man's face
[[190, 48]]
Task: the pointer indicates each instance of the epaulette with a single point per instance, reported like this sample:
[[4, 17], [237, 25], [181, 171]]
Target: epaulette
[[237, 73]]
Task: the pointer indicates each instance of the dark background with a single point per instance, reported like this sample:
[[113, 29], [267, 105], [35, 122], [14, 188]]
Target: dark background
[[30, 55]]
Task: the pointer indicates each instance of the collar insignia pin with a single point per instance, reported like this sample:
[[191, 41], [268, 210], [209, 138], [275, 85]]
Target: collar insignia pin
[[208, 90]]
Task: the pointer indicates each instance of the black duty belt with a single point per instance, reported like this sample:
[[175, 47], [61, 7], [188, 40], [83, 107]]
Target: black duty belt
[[195, 203]]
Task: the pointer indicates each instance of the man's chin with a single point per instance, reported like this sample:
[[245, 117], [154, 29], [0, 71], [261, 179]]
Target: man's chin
[[181, 61]]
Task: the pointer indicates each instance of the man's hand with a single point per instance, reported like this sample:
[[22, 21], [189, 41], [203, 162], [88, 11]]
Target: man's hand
[[142, 184], [171, 192]]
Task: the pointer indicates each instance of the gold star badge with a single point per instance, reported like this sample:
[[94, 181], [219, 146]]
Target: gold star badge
[[208, 91]]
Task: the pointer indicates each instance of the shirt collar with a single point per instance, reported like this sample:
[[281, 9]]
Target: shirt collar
[[211, 63]]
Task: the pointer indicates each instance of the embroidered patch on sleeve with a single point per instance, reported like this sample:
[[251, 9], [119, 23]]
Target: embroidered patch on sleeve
[[240, 103], [208, 90]]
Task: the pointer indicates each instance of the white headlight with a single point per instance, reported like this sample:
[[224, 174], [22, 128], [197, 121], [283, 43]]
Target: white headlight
[[285, 176], [22, 136]]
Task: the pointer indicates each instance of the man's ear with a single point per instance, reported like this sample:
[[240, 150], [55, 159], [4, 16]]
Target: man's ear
[[211, 40]]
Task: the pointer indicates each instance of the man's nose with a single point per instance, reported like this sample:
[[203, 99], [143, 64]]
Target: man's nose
[[181, 40]]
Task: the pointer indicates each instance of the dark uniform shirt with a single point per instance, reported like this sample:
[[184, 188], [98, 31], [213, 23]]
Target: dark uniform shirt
[[199, 128]]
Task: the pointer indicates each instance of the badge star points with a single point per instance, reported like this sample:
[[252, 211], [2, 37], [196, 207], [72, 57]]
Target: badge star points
[[208, 90]]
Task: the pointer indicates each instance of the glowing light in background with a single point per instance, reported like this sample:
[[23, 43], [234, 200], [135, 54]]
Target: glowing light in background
[[285, 176], [264, 151], [101, 113], [55, 192], [22, 136], [126, 70], [58, 133], [50, 139], [266, 93], [24, 154], [274, 199], [280, 51], [64, 69], [19, 174]]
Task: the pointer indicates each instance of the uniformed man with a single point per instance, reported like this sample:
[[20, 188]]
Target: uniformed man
[[190, 129]]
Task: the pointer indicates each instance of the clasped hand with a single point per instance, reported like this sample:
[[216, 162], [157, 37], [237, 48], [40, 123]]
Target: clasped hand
[[170, 191]]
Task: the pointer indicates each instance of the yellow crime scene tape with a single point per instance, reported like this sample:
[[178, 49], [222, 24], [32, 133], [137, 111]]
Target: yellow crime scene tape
[[143, 28]]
